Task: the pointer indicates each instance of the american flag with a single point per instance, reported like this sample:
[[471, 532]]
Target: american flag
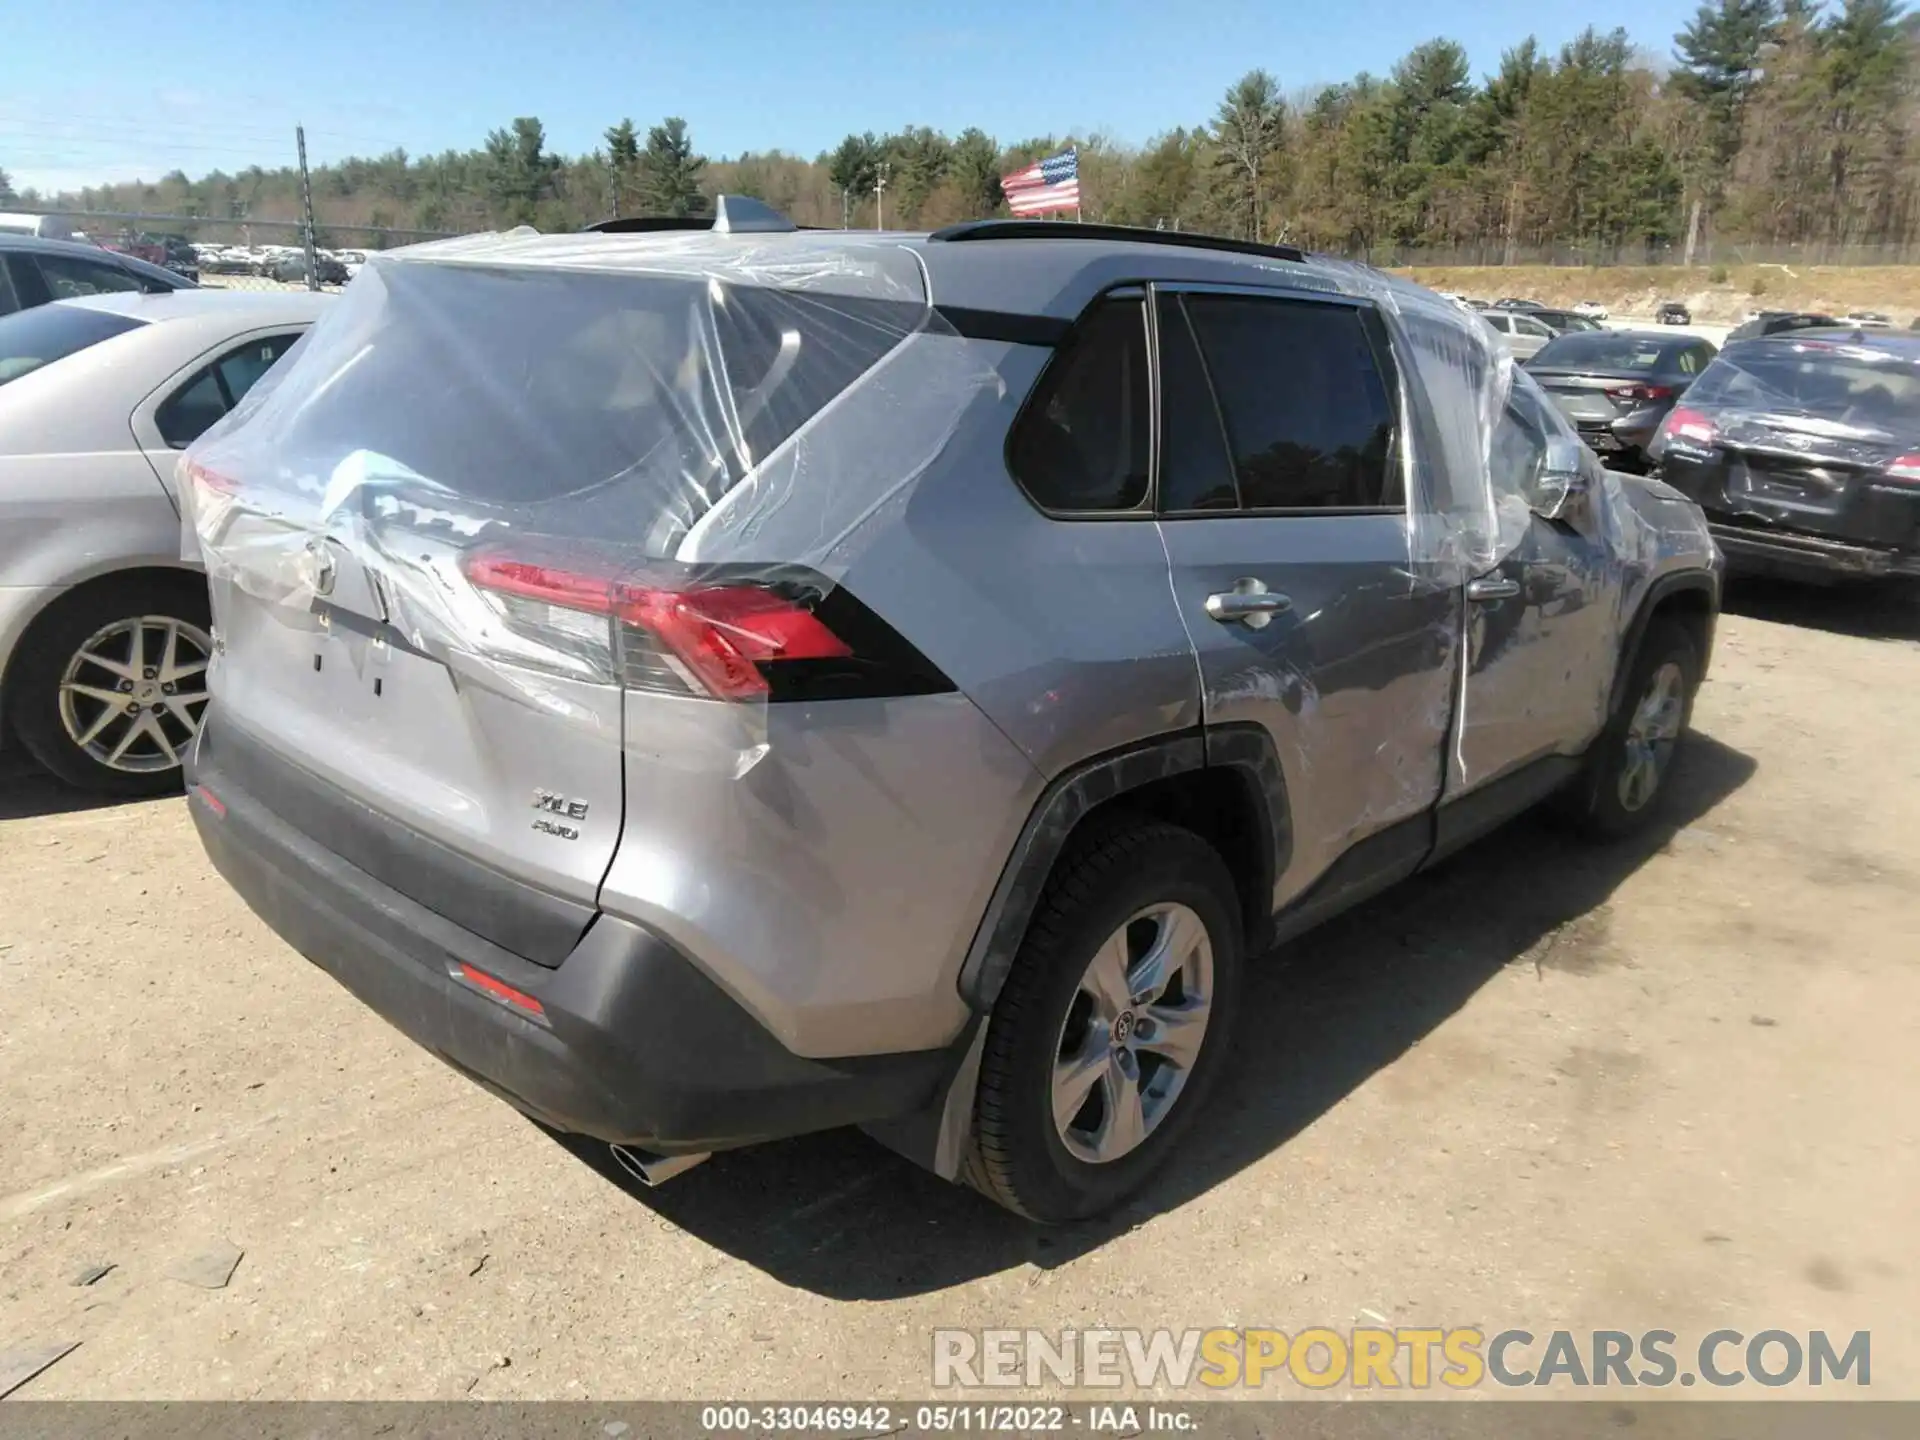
[[1049, 184]]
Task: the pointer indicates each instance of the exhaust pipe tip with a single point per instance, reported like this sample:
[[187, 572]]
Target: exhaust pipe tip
[[651, 1169]]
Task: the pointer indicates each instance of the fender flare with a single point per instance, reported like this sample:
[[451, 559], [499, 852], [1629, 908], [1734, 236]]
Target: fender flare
[[1663, 588], [1072, 795], [938, 1136]]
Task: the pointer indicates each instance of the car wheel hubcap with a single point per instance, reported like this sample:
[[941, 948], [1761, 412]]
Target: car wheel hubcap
[[133, 694], [1651, 735], [1132, 1033]]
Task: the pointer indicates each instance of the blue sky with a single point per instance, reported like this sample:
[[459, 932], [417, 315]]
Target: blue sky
[[115, 89]]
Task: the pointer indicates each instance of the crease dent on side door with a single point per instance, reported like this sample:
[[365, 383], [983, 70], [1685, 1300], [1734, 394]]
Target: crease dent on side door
[[1293, 561], [1542, 622]]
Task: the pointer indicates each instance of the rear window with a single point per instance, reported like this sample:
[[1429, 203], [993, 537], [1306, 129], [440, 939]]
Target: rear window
[[653, 393], [1847, 383], [1600, 350], [33, 339]]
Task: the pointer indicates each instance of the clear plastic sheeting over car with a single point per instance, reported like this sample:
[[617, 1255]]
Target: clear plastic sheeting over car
[[554, 462]]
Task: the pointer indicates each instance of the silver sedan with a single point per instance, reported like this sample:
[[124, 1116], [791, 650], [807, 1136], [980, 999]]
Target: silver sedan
[[104, 629]]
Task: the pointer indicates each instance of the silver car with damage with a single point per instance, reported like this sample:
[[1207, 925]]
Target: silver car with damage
[[715, 686]]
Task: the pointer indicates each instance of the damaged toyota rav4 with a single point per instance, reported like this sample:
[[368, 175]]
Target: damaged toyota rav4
[[714, 686]]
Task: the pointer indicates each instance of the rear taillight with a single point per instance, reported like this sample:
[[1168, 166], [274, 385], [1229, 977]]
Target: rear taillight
[[723, 635], [1694, 427], [1905, 470], [720, 635], [1641, 392]]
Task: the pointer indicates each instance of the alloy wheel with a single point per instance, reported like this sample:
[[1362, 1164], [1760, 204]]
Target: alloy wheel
[[1132, 1033], [1651, 736], [133, 693]]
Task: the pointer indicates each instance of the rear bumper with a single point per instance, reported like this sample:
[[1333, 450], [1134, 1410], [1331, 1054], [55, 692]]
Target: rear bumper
[[633, 1043], [1781, 552]]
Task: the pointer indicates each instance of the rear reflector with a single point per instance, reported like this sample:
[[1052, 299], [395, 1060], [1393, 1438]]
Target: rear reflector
[[500, 990], [211, 801], [725, 636]]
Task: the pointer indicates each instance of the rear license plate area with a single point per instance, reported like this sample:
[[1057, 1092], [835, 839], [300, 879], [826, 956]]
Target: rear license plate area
[[1787, 486]]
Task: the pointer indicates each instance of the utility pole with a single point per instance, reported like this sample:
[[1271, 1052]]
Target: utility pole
[[1693, 233], [846, 207], [306, 207], [880, 196]]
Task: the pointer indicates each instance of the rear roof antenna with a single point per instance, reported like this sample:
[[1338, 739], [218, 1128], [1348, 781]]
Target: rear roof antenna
[[743, 215]]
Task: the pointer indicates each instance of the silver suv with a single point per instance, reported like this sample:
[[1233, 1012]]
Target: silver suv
[[715, 686]]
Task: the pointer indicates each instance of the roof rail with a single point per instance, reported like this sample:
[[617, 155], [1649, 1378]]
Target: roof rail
[[732, 215], [1062, 230], [649, 224]]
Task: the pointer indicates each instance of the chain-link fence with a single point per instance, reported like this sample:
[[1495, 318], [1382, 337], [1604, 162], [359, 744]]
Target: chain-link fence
[[1707, 252], [242, 254]]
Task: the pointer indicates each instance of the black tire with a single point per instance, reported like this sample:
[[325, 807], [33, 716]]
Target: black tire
[[56, 635], [1019, 1158], [1596, 802]]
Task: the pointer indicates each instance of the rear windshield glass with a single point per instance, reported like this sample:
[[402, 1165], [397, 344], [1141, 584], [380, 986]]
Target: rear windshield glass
[[653, 392], [1847, 383], [33, 339], [1611, 350]]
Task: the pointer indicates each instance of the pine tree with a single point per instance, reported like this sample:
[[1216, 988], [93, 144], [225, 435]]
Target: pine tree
[[1249, 130], [669, 171], [975, 171], [852, 169], [1720, 54]]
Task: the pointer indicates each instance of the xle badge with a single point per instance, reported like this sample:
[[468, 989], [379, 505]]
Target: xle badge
[[551, 804]]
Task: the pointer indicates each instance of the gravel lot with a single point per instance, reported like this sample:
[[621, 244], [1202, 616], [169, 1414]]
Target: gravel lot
[[1670, 1085]]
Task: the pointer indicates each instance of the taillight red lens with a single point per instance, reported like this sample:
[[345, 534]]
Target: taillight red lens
[[1642, 392], [720, 634], [724, 634], [201, 478], [1695, 427], [568, 588], [1906, 469]]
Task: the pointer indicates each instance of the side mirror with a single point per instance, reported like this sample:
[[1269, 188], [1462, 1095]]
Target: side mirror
[[1564, 483]]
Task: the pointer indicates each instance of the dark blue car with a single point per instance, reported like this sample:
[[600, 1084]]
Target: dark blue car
[[34, 271]]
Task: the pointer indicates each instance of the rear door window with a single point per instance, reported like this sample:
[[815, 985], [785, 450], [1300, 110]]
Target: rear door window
[[9, 300], [69, 278], [33, 339], [214, 389], [1303, 401], [1083, 442]]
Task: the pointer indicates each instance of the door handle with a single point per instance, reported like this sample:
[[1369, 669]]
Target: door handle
[[1249, 602], [1493, 587]]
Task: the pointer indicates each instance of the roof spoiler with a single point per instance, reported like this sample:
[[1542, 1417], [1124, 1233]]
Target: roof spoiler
[[732, 215]]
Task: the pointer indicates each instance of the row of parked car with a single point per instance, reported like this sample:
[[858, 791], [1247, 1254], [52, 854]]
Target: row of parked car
[[1800, 437], [738, 727], [286, 263]]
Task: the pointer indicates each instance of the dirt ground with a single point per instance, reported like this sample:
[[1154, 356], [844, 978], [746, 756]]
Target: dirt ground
[[1721, 294], [1669, 1085]]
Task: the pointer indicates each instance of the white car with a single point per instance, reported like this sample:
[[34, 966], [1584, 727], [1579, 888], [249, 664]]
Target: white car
[[104, 631], [1521, 334], [1591, 310]]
